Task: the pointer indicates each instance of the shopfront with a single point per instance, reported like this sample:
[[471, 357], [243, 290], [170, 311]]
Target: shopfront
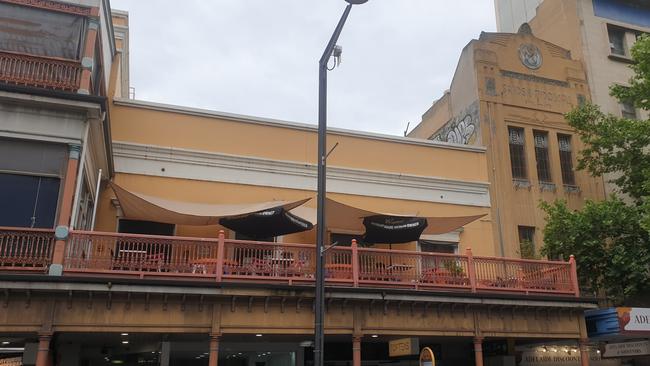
[[621, 334]]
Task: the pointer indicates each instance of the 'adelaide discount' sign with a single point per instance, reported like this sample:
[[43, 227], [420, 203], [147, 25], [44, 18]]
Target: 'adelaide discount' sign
[[634, 319]]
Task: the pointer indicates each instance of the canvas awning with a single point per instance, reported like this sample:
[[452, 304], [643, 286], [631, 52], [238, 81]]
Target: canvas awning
[[143, 207], [346, 217]]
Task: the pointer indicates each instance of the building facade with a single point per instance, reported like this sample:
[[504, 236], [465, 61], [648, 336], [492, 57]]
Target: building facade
[[144, 262], [600, 33], [509, 93]]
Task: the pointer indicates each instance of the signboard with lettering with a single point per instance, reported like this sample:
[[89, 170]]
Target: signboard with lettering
[[427, 358], [634, 319], [556, 356], [403, 347], [627, 349]]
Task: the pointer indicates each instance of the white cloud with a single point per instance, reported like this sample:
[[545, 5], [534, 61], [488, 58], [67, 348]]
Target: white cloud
[[259, 57]]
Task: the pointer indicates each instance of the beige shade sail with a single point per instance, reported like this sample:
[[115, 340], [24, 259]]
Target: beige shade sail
[[143, 207], [345, 217]]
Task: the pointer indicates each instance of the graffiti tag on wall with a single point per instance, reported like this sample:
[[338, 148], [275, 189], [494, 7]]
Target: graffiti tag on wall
[[463, 129]]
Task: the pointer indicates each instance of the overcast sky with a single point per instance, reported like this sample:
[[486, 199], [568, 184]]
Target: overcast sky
[[260, 57]]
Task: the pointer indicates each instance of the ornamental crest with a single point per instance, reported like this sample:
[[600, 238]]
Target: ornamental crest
[[530, 56]]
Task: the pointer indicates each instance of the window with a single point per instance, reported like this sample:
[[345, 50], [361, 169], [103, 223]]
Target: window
[[616, 41], [429, 246], [240, 236], [526, 242], [566, 160], [517, 153], [541, 154], [627, 110], [145, 227], [28, 201]]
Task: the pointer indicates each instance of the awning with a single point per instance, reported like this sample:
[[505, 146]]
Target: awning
[[385, 227], [143, 207]]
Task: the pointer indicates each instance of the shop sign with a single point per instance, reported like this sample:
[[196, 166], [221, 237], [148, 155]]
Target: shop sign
[[403, 347], [427, 358], [634, 319], [627, 349]]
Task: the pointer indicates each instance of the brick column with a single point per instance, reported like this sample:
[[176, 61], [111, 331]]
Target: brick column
[[88, 58], [356, 351], [214, 350], [43, 355], [65, 211], [584, 352], [478, 351]]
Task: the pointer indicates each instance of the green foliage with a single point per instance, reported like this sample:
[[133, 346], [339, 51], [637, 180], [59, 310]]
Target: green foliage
[[611, 238], [527, 250], [639, 90], [612, 248], [614, 145]]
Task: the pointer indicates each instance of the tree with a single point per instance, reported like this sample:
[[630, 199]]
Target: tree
[[611, 238]]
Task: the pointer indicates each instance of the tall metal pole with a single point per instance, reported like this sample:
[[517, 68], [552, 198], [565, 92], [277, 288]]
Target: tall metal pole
[[319, 335]]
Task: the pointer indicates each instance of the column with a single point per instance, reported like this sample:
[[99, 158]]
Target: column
[[65, 211], [584, 352], [356, 351], [43, 355], [214, 350], [478, 351], [88, 59]]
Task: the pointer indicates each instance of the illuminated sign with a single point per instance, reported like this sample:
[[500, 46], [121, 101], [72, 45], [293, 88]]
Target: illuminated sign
[[403, 347]]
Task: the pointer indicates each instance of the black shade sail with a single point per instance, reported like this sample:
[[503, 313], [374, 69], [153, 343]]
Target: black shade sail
[[384, 229], [267, 223]]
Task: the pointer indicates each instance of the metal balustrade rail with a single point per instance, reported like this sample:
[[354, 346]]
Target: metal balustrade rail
[[88, 251], [25, 248], [523, 275], [221, 259], [45, 72]]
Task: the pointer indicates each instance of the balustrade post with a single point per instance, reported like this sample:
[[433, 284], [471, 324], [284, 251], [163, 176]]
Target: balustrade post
[[471, 270], [355, 263], [574, 275], [220, 254]]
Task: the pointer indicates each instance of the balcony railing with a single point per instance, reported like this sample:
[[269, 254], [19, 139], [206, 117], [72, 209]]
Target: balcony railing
[[25, 249], [42, 72], [223, 260]]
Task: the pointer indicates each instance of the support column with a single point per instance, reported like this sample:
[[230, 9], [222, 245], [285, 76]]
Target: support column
[[478, 351], [65, 211], [584, 352], [214, 350], [356, 351], [43, 355], [88, 59]]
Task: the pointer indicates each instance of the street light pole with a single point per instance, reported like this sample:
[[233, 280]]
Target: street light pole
[[319, 335]]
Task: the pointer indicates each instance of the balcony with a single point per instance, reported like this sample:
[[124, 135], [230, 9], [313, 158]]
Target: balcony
[[106, 255], [39, 71]]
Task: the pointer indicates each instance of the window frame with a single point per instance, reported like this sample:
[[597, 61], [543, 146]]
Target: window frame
[[566, 160], [542, 157], [531, 231], [519, 172]]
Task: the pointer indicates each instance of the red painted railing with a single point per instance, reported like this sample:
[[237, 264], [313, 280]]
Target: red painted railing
[[44, 72], [25, 249], [221, 259]]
